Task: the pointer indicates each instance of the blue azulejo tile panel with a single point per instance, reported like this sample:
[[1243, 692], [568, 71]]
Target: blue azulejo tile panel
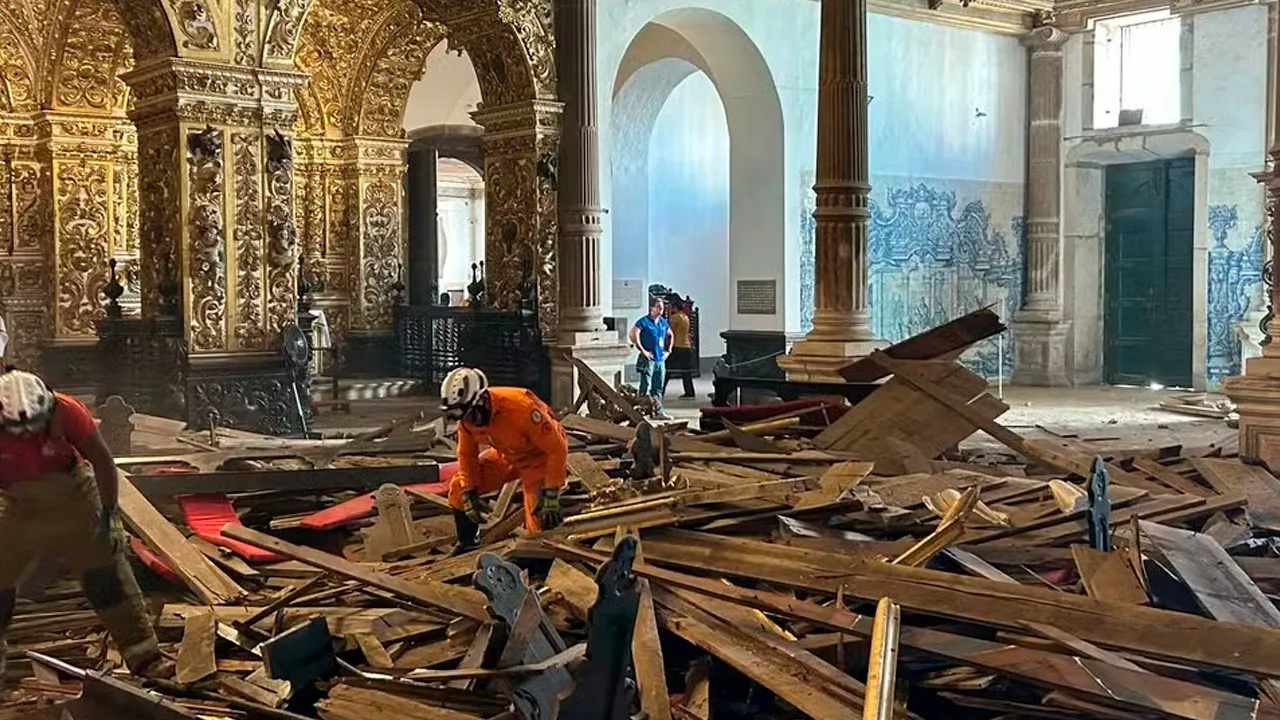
[[1234, 274], [938, 250]]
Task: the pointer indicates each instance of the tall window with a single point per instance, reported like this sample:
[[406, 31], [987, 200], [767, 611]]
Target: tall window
[[1138, 66]]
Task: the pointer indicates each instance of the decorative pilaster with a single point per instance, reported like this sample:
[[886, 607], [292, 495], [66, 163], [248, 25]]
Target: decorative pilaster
[[1039, 330], [521, 143], [1257, 392], [216, 221], [581, 332], [842, 319], [25, 218], [92, 186]]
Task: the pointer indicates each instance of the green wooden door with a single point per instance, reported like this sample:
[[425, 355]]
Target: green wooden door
[[1148, 272]]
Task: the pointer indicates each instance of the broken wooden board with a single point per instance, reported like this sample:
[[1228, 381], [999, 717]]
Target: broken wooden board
[[204, 578], [1255, 483]]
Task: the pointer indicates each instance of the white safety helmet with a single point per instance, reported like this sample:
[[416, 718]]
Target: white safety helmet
[[26, 403], [460, 390]]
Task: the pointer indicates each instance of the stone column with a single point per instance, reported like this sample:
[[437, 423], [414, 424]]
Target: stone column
[[218, 237], [1257, 392], [424, 270], [581, 330], [1039, 330], [842, 319]]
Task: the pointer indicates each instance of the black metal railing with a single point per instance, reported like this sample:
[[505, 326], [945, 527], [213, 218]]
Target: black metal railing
[[505, 344]]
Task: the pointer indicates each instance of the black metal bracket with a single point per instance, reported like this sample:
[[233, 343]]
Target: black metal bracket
[[604, 690], [1098, 517]]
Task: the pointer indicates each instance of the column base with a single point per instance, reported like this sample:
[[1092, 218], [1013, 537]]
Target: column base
[[821, 361], [70, 365], [1257, 398], [253, 393], [601, 351], [371, 354], [1040, 352]]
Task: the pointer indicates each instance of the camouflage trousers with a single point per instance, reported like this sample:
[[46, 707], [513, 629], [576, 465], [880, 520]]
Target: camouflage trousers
[[58, 514]]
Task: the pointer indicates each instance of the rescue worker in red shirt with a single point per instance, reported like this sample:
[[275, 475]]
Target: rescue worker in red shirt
[[525, 442], [58, 491]]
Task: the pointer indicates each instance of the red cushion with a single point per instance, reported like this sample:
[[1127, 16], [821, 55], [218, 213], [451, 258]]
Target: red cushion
[[206, 515], [153, 561], [362, 505]]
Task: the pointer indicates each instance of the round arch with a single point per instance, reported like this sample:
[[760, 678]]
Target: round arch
[[665, 51]]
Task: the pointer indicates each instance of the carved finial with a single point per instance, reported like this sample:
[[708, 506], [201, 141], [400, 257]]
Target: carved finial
[[476, 289], [113, 291], [306, 286]]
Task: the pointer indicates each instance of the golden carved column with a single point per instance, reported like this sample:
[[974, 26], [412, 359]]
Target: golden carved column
[[521, 147], [372, 232], [25, 223], [89, 161], [219, 244], [842, 319], [1257, 392], [323, 231]]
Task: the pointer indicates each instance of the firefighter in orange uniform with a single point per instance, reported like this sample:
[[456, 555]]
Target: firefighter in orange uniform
[[525, 442]]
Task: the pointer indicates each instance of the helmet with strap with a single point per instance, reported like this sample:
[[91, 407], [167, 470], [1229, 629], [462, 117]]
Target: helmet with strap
[[461, 388], [26, 403]]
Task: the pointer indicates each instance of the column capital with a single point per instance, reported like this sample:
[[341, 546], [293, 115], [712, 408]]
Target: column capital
[[213, 93], [1045, 38]]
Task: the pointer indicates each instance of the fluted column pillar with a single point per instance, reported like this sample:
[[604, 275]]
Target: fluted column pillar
[[1257, 392], [581, 329], [841, 319], [1039, 330]]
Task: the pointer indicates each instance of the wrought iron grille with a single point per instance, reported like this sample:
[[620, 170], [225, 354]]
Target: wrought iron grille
[[506, 345]]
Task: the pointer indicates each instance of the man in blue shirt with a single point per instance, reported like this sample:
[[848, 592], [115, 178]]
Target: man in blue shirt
[[652, 337]]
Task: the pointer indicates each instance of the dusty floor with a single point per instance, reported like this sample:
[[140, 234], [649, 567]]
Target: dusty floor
[[1105, 416]]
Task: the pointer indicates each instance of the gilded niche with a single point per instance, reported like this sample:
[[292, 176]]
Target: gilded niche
[[207, 282], [282, 236], [83, 199], [249, 333]]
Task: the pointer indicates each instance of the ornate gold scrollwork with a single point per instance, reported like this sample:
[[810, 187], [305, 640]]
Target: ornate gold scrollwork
[[196, 22], [245, 151], [82, 202], [244, 32], [207, 281], [281, 233], [380, 250]]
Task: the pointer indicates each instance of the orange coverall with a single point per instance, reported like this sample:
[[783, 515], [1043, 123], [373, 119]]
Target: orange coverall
[[525, 441]]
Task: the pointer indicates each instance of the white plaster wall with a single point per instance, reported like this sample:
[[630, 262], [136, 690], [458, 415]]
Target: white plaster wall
[[446, 93], [688, 227], [785, 33], [1224, 98]]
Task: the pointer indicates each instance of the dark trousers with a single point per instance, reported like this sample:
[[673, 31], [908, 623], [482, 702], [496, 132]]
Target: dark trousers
[[680, 363]]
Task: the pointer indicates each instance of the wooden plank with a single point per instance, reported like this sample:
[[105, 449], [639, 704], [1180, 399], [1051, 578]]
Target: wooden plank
[[1111, 685], [1173, 479], [946, 341], [1221, 588], [209, 583], [646, 656], [196, 659], [462, 601], [1144, 630], [588, 471], [1255, 483], [1081, 647], [374, 653], [1065, 460], [1107, 576]]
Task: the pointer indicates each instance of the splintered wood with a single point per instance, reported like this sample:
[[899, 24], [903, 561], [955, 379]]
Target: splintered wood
[[757, 556]]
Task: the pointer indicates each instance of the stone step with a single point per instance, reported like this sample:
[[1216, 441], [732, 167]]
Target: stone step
[[366, 388]]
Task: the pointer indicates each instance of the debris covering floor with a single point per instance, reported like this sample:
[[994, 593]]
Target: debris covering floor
[[769, 570]]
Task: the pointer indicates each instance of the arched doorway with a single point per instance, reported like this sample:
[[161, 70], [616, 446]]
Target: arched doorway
[[698, 186]]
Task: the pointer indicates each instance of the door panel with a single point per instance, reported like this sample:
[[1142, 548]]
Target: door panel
[[1148, 268]]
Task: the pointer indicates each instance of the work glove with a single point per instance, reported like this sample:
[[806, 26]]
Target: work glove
[[473, 506], [550, 516], [110, 528]]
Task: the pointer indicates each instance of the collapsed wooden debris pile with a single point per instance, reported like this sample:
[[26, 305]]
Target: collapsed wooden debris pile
[[772, 569]]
